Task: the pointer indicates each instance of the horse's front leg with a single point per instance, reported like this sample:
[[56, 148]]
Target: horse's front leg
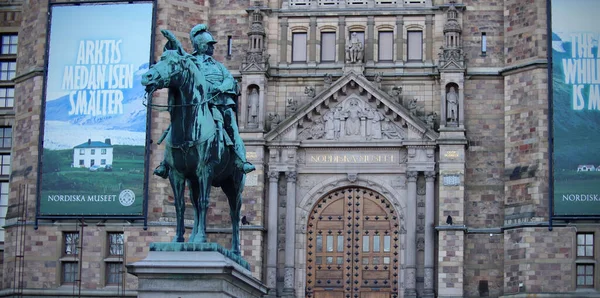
[[202, 199], [233, 191], [194, 197], [178, 185]]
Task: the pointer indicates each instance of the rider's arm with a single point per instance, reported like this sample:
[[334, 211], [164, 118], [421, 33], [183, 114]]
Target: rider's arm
[[228, 84]]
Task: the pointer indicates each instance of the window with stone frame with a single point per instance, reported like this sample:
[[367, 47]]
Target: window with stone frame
[[7, 97], [385, 46], [4, 191], [114, 258], [585, 262], [8, 68], [299, 47], [327, 46], [585, 275], [585, 245], [70, 243], [4, 164], [5, 137], [414, 46], [69, 262], [70, 272]]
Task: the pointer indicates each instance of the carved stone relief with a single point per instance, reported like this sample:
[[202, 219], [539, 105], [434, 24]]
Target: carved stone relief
[[310, 91], [421, 186], [291, 106], [353, 120], [420, 243], [396, 94], [328, 79], [273, 120]]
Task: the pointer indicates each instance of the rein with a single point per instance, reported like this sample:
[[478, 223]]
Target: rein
[[158, 107]]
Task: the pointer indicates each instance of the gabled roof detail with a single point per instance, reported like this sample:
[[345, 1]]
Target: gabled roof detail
[[352, 109]]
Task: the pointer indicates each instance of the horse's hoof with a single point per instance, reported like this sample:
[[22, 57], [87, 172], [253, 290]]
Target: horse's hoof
[[178, 239]]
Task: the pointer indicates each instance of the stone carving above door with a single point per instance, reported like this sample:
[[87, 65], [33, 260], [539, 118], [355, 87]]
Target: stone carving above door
[[352, 120], [351, 109]]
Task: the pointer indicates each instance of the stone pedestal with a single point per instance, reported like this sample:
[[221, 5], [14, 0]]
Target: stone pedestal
[[198, 274]]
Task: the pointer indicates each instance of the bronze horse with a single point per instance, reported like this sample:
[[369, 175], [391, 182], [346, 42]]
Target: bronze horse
[[195, 152]]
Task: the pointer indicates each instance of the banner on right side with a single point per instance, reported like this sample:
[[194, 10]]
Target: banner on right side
[[575, 79]]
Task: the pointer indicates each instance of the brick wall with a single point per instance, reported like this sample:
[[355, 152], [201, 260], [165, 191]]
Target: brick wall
[[483, 17], [484, 255], [524, 30], [540, 259], [229, 18], [484, 184], [526, 145]]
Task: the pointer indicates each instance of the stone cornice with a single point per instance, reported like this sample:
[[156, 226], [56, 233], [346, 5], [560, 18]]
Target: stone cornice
[[33, 72]]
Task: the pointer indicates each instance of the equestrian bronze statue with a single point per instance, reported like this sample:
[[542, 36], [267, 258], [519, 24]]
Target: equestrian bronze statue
[[202, 145]]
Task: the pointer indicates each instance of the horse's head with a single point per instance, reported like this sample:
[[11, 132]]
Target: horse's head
[[168, 72]]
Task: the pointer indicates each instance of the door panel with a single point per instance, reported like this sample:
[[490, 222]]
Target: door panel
[[352, 241]]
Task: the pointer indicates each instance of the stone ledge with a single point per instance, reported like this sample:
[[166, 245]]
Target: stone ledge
[[452, 228], [197, 247], [187, 274]]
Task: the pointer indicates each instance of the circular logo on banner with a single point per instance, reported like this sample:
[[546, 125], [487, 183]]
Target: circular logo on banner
[[126, 197]]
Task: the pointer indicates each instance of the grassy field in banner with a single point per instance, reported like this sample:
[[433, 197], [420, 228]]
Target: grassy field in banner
[[60, 178]]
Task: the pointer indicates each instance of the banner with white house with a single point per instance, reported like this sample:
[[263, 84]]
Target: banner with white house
[[95, 120], [575, 77]]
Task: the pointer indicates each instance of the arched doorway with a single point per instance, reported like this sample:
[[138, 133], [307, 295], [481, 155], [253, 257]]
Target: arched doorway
[[352, 246]]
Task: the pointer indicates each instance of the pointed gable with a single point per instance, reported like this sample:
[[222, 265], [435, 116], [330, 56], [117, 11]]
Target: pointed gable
[[352, 109]]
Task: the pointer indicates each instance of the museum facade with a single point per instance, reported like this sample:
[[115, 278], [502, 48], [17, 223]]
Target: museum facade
[[401, 150]]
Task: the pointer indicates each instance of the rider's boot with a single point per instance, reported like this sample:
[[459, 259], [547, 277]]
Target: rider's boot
[[238, 143], [162, 170]]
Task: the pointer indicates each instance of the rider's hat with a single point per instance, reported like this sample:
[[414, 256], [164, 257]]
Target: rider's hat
[[199, 33]]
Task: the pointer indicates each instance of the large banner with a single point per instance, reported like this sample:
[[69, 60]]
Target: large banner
[[95, 120], [576, 107]]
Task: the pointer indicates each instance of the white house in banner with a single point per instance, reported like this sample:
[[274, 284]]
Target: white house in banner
[[93, 153]]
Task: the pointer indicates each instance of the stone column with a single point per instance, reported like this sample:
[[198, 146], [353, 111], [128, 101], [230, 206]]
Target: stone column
[[399, 39], [283, 24], [429, 39], [411, 236], [341, 56], [429, 233], [312, 41], [272, 234], [369, 40], [290, 236]]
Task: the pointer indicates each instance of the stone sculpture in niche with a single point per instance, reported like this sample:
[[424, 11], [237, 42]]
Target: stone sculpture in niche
[[452, 106], [253, 107], [354, 49]]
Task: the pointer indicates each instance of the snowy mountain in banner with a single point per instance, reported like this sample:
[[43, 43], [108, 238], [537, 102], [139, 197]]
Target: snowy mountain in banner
[[134, 112]]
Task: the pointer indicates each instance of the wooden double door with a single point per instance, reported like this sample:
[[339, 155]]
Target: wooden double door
[[352, 246]]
